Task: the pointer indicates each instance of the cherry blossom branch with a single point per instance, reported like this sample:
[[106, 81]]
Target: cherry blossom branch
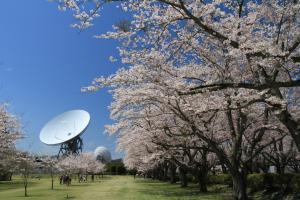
[[198, 21], [221, 86]]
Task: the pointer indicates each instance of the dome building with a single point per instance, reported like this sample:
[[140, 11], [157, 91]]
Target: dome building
[[102, 154]]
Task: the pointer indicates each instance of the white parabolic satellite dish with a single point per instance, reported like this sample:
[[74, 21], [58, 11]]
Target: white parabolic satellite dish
[[65, 127]]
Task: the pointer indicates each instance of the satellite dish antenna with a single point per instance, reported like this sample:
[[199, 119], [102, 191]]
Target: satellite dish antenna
[[65, 130]]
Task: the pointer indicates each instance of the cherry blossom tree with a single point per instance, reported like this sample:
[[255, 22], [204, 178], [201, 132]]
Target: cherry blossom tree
[[281, 154], [80, 165], [10, 132], [226, 71], [25, 164], [93, 166], [49, 164], [246, 45], [236, 136], [71, 165]]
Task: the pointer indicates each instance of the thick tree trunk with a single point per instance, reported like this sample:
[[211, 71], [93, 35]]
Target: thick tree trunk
[[292, 125], [279, 169], [183, 177], [153, 176], [239, 187], [173, 174], [160, 173], [202, 180], [165, 178]]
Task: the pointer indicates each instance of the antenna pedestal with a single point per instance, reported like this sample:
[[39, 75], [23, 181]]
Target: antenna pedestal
[[73, 147]]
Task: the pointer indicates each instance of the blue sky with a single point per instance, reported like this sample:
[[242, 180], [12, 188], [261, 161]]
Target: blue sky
[[44, 63]]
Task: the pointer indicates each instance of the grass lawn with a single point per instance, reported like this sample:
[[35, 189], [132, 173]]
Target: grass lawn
[[108, 188]]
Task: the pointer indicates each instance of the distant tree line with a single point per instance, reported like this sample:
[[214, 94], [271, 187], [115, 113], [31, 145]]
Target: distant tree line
[[115, 167]]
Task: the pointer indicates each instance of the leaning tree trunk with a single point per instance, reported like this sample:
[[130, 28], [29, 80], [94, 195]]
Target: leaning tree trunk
[[239, 187], [292, 126], [288, 120]]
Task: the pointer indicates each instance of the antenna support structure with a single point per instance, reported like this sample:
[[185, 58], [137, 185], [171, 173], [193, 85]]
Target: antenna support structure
[[71, 147]]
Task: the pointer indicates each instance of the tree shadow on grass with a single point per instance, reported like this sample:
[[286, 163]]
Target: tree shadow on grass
[[80, 185], [155, 188], [56, 189], [31, 195], [7, 185], [70, 197], [105, 177]]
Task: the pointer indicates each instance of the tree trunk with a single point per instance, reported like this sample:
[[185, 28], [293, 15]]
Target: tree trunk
[[183, 177], [224, 170], [160, 173], [25, 190], [52, 180], [25, 185], [172, 174], [239, 187], [279, 168], [291, 124], [165, 178], [153, 176], [202, 180]]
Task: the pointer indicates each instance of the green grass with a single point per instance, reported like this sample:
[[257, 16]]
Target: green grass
[[108, 188]]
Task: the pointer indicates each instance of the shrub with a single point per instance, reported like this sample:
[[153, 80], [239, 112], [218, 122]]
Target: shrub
[[295, 183], [224, 179], [190, 178], [5, 176], [255, 182], [271, 182], [283, 183]]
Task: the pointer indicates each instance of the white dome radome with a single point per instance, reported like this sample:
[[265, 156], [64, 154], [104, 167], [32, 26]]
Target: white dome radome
[[102, 154]]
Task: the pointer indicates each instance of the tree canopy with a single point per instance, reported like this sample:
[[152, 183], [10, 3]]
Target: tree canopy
[[201, 79]]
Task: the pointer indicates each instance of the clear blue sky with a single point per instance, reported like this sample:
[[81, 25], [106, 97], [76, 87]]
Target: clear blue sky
[[44, 63]]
